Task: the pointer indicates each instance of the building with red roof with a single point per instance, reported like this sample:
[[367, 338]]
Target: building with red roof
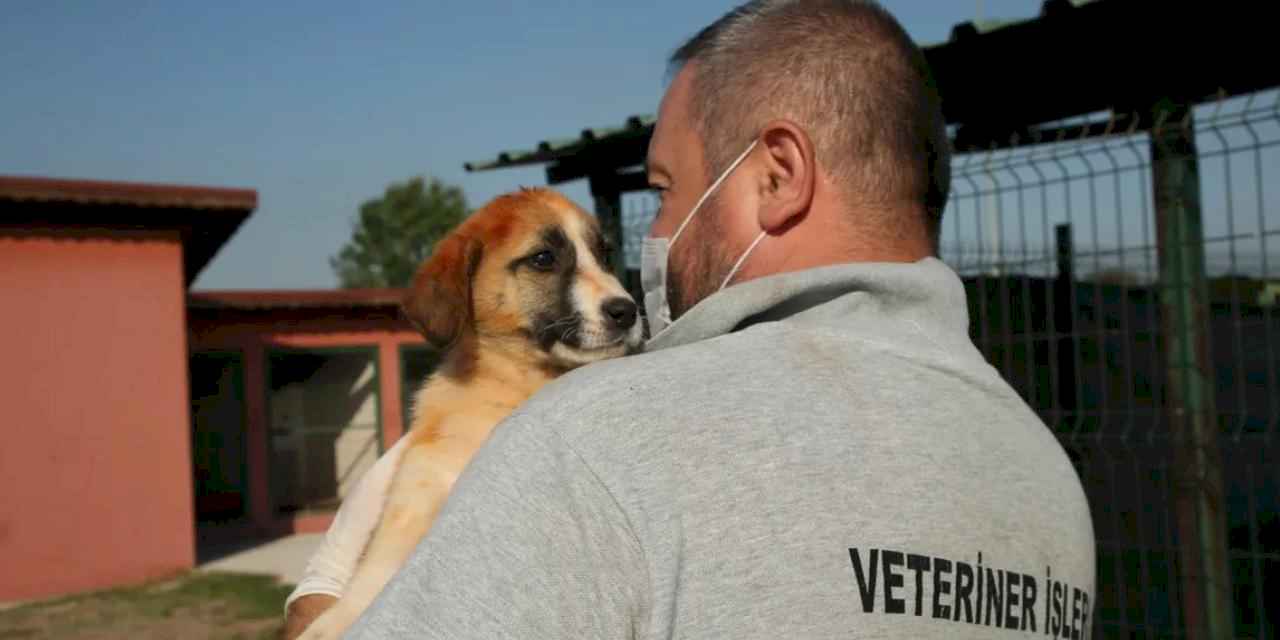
[[143, 421]]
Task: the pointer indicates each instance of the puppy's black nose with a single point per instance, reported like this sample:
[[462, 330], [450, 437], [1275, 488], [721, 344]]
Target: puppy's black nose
[[620, 311]]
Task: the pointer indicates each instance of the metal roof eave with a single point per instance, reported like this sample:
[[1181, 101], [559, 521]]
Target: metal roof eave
[[1057, 77], [548, 151]]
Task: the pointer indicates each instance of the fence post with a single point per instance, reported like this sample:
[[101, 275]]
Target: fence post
[[1064, 308], [608, 202], [1189, 389]]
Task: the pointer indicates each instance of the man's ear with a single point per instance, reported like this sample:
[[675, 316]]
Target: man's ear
[[438, 303], [787, 185]]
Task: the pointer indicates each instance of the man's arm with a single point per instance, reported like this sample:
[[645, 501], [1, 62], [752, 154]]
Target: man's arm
[[331, 566], [530, 544], [301, 612]]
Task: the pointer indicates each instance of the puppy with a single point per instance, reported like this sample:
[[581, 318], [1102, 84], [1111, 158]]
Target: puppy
[[516, 295]]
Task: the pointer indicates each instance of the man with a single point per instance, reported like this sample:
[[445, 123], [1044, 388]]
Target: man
[[813, 448]]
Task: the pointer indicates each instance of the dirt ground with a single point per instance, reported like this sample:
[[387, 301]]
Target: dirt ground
[[212, 606]]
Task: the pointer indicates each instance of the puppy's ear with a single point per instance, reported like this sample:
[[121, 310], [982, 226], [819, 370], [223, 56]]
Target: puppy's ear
[[438, 303]]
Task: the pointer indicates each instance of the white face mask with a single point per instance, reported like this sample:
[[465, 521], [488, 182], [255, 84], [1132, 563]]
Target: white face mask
[[653, 259]]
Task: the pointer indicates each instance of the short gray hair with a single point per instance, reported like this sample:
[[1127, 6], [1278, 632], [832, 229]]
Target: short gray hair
[[847, 72]]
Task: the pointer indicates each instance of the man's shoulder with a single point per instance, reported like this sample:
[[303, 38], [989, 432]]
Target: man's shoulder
[[605, 402], [620, 383]]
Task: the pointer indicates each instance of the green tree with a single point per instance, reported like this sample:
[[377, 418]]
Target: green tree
[[394, 233]]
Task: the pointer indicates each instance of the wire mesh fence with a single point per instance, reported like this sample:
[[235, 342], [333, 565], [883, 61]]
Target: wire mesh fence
[[1125, 340]]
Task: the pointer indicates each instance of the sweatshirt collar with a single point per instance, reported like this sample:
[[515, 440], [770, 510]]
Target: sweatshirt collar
[[926, 291]]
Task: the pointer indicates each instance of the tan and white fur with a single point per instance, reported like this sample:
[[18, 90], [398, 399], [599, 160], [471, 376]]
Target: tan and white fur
[[518, 294]]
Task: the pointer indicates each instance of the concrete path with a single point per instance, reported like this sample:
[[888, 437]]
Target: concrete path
[[284, 557]]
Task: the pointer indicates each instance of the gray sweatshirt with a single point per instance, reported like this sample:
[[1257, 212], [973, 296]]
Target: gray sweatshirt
[[820, 454]]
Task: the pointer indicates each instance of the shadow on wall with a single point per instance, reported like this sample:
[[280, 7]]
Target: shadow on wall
[[324, 425]]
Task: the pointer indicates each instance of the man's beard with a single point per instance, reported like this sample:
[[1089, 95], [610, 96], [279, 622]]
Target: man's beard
[[706, 265]]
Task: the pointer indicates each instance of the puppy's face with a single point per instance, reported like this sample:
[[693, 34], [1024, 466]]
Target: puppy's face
[[530, 269]]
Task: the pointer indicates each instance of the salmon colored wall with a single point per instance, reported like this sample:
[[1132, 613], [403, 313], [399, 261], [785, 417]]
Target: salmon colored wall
[[393, 423], [95, 466]]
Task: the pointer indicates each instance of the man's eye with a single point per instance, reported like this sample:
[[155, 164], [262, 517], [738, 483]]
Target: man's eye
[[543, 260]]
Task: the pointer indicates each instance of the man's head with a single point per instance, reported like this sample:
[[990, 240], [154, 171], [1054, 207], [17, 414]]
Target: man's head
[[851, 163]]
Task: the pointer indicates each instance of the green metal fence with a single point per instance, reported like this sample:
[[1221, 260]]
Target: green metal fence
[[1125, 279]]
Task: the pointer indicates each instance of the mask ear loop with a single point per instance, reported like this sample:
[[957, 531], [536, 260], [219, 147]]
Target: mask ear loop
[[738, 264], [715, 185]]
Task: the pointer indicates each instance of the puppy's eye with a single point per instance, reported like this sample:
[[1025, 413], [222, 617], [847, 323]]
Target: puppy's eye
[[543, 260]]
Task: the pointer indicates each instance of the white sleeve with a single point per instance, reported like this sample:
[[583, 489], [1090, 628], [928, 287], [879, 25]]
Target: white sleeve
[[331, 566]]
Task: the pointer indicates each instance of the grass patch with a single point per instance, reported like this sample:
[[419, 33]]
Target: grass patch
[[195, 605]]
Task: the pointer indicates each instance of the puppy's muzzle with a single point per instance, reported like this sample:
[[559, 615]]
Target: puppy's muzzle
[[619, 313]]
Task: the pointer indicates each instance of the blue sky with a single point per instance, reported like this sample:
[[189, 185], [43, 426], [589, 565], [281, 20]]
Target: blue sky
[[319, 105]]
